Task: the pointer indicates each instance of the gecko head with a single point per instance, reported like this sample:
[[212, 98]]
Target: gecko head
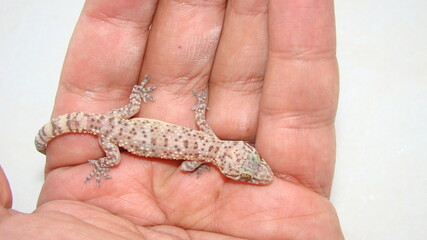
[[253, 168]]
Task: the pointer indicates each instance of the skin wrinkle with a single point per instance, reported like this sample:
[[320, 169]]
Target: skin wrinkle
[[249, 8], [200, 3], [97, 93], [122, 15], [300, 119], [303, 54], [197, 48], [245, 85], [116, 22], [185, 84]]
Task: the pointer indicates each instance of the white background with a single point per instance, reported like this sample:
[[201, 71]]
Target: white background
[[380, 187]]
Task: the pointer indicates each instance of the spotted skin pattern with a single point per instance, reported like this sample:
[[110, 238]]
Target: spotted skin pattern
[[153, 138]]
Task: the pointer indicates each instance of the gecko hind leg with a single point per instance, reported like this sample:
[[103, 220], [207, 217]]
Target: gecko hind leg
[[139, 94], [193, 166], [103, 165], [200, 112], [200, 117]]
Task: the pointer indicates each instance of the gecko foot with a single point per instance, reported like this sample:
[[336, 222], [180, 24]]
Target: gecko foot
[[143, 91], [201, 100], [200, 169], [98, 171], [194, 166]]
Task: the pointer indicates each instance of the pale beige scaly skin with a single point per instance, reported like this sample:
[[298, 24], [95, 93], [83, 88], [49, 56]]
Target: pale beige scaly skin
[[153, 138]]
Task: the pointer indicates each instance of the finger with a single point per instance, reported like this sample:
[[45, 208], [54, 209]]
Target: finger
[[296, 126], [105, 55], [179, 56], [238, 71], [102, 63], [5, 193]]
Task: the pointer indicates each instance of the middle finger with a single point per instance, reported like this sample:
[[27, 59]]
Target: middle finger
[[180, 51], [238, 71]]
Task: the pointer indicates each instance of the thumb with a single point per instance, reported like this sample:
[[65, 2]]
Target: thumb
[[5, 193]]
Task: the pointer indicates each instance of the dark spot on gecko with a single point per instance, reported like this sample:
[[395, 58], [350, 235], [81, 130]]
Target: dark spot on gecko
[[68, 121], [185, 143], [210, 148]]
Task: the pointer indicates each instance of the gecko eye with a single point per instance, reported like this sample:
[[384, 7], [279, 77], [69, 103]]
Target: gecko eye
[[245, 177]]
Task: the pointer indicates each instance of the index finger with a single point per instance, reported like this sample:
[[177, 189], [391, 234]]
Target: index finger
[[102, 64]]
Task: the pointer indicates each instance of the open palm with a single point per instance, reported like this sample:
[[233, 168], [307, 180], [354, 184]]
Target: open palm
[[272, 75]]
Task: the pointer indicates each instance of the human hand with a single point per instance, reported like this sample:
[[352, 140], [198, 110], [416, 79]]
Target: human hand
[[272, 75]]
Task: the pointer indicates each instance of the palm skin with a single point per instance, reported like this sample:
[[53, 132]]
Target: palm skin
[[272, 75]]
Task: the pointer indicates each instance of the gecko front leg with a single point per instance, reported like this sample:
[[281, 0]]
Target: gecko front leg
[[200, 117], [200, 112], [139, 94]]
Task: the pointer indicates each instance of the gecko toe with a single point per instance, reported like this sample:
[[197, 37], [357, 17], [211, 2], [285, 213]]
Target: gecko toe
[[97, 172], [194, 166], [202, 168], [201, 100]]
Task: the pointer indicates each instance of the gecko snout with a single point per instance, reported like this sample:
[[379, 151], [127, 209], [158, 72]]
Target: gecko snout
[[255, 170]]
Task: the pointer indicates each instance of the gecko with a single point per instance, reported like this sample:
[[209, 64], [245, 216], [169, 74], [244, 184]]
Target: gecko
[[157, 139]]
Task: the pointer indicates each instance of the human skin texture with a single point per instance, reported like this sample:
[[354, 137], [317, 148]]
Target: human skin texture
[[272, 75]]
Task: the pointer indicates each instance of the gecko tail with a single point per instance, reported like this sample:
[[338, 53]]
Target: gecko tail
[[67, 123]]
